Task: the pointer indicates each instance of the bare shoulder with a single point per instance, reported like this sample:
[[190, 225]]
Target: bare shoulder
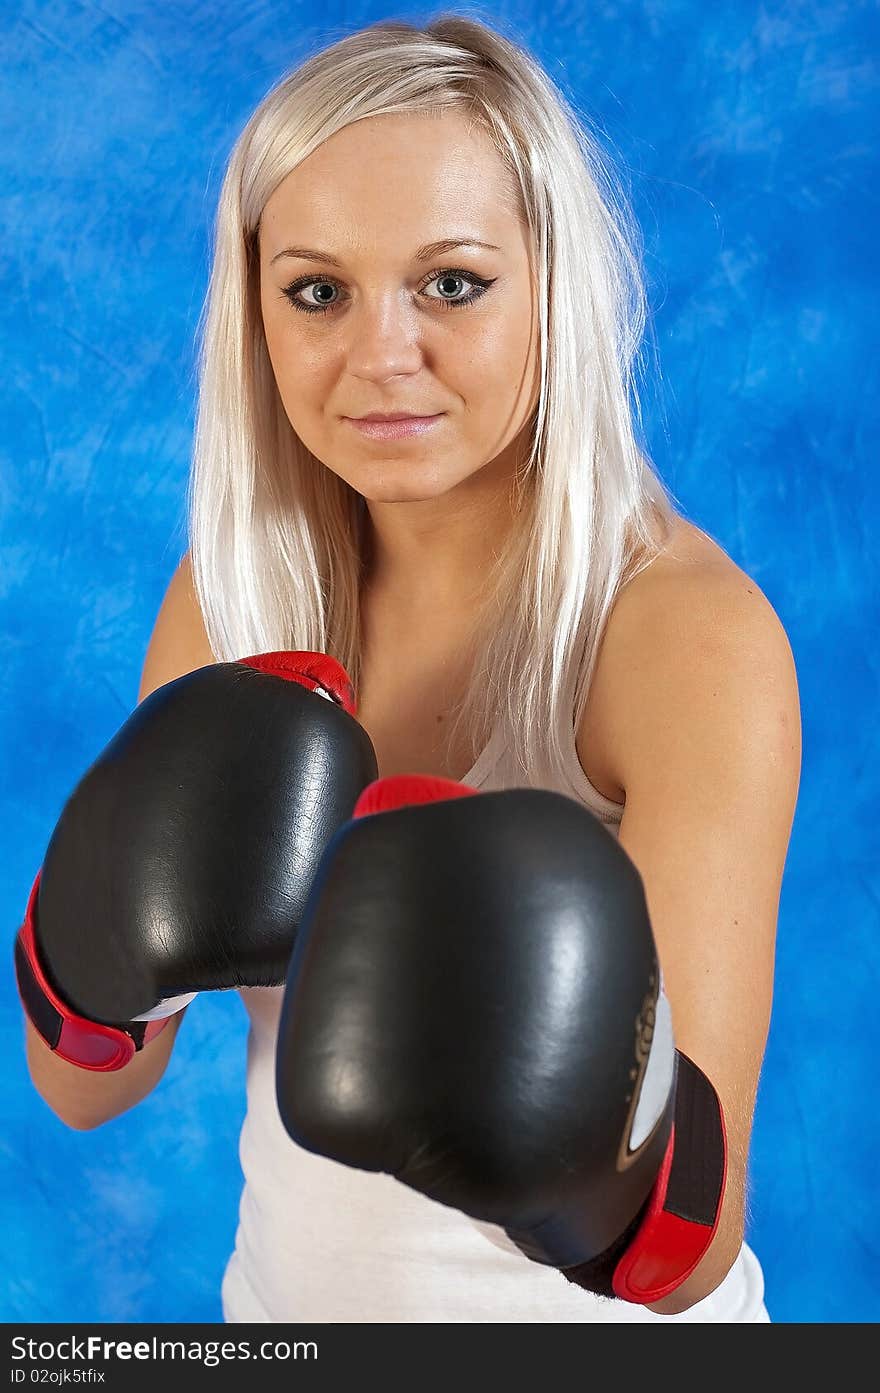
[[692, 569], [179, 641], [685, 624]]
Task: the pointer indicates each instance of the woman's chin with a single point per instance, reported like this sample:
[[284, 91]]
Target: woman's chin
[[402, 484]]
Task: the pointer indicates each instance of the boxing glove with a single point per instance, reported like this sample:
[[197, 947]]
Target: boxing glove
[[182, 860], [474, 1005]]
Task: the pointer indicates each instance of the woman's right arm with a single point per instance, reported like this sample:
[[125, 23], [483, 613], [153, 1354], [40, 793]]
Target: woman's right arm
[[81, 1098]]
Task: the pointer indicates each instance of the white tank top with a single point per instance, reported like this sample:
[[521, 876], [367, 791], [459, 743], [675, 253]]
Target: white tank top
[[324, 1242]]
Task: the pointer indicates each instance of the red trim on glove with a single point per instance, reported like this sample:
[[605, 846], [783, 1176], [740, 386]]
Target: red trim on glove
[[311, 670], [400, 790], [80, 1041], [669, 1244]]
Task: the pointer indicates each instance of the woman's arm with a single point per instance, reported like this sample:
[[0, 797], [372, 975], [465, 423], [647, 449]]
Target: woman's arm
[[700, 719], [82, 1098]]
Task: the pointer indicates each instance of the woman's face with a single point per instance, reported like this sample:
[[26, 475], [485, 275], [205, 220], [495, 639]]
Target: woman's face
[[453, 334]]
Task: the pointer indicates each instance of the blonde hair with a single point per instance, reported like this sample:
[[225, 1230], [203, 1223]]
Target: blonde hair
[[277, 538]]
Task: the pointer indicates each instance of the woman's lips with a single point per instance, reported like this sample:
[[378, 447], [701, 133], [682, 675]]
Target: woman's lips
[[395, 430]]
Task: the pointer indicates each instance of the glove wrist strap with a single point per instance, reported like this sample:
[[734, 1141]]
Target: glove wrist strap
[[73, 1037], [681, 1217]]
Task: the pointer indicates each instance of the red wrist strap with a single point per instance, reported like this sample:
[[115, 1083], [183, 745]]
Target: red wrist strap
[[682, 1215], [75, 1038]]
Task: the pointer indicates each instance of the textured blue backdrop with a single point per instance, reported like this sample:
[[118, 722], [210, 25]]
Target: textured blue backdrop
[[748, 135]]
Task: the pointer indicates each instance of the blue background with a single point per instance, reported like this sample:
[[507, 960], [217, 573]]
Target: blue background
[[748, 136]]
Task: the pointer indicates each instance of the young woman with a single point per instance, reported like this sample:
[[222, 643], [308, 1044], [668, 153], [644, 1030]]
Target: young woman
[[415, 451]]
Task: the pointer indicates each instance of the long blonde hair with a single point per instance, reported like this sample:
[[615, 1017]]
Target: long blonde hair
[[277, 539]]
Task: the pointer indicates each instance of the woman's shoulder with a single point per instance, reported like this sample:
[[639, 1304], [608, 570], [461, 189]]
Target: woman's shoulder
[[178, 642], [687, 550], [687, 593], [690, 569]]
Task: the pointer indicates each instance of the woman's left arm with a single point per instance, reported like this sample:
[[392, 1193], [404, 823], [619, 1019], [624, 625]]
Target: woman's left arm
[[705, 734]]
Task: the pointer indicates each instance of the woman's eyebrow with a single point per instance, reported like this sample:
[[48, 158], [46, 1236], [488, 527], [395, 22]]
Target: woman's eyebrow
[[425, 253]]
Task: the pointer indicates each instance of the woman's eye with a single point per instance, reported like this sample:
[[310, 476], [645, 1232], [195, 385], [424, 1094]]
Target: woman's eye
[[451, 282], [448, 282]]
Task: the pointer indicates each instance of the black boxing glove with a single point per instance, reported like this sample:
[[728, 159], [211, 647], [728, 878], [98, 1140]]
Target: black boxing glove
[[183, 858], [474, 1006]]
